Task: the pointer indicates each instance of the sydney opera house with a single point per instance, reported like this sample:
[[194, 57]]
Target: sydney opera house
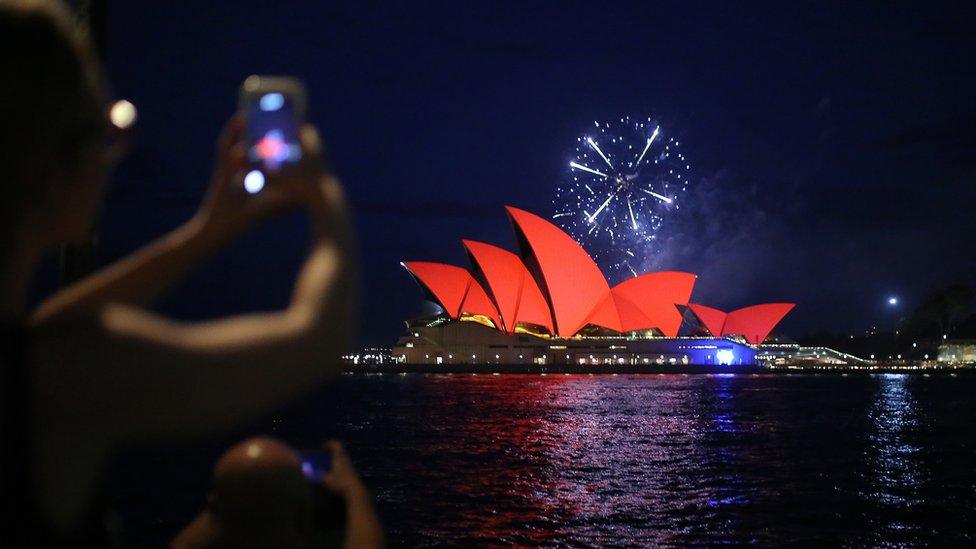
[[550, 304]]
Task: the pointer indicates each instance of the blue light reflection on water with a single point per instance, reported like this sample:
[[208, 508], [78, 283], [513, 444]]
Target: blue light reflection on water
[[895, 468], [650, 460]]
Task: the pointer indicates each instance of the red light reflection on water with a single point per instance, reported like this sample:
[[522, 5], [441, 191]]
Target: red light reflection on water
[[662, 459], [552, 457]]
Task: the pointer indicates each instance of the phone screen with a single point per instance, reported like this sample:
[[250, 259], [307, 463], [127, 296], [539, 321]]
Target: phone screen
[[272, 130]]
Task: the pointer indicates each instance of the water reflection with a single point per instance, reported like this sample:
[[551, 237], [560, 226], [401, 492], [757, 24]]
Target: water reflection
[[895, 468], [656, 461], [729, 489], [659, 460], [623, 458]]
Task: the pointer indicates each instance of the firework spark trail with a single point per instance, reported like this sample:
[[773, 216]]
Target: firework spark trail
[[600, 209], [598, 151], [658, 196], [632, 218], [648, 146], [585, 169]]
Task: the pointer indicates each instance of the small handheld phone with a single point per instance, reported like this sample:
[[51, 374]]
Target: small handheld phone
[[316, 464], [273, 109]]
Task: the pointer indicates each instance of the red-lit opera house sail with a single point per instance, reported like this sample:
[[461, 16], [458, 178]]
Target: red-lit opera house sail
[[713, 319], [655, 296], [454, 289], [606, 315], [756, 322], [515, 293], [570, 279], [555, 284], [753, 323]]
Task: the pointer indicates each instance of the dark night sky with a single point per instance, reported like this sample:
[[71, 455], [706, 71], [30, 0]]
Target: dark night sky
[[834, 146]]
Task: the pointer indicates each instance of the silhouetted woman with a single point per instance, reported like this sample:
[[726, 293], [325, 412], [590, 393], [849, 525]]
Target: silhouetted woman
[[92, 367]]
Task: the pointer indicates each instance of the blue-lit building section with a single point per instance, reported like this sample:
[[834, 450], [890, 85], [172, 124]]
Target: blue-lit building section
[[654, 351], [722, 352]]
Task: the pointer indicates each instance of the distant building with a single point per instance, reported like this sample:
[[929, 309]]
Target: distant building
[[796, 355], [369, 355], [957, 351], [441, 341]]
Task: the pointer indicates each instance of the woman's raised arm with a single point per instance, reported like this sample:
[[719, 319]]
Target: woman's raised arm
[[135, 374], [226, 212]]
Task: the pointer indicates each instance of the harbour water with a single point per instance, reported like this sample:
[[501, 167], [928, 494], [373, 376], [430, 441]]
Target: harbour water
[[773, 459]]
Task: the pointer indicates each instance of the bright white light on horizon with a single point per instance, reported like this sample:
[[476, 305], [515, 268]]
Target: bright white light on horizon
[[892, 301], [254, 181]]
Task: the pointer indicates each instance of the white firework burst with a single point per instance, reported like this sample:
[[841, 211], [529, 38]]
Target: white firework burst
[[626, 179]]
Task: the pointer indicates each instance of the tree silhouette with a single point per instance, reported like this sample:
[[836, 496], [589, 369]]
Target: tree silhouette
[[943, 308]]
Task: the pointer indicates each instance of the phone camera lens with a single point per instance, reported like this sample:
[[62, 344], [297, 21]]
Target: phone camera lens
[[254, 181]]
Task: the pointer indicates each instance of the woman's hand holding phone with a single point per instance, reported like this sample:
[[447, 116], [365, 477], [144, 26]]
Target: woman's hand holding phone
[[229, 209]]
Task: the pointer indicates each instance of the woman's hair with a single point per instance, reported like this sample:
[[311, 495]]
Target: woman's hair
[[50, 98]]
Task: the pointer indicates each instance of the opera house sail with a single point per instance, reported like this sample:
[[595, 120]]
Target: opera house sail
[[549, 303]]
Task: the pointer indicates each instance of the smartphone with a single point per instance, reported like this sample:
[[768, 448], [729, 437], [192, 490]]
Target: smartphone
[[316, 464], [273, 109]]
